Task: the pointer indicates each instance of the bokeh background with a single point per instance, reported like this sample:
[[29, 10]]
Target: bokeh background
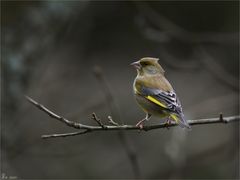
[[74, 56]]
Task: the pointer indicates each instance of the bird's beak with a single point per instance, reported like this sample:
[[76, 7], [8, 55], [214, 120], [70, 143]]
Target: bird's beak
[[136, 65]]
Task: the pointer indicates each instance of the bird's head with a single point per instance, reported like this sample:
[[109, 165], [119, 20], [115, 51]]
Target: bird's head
[[148, 66]]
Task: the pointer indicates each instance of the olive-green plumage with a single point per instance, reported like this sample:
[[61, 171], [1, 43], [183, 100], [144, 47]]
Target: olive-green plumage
[[155, 94]]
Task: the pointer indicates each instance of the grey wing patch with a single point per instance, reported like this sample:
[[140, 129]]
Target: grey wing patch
[[170, 98]]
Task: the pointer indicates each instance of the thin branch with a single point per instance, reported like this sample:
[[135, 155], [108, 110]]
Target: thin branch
[[59, 118], [112, 122], [95, 118], [89, 128], [65, 134]]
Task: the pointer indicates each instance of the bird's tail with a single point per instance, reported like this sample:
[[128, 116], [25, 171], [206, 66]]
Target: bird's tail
[[179, 118]]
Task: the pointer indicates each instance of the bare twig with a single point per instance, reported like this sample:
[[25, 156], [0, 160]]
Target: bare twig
[[95, 118], [55, 116], [65, 134], [112, 122], [89, 128]]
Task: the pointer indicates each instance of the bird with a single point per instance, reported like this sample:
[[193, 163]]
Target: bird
[[155, 95]]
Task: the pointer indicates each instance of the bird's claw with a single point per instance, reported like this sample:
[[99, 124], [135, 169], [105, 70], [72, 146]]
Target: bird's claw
[[168, 123], [140, 125]]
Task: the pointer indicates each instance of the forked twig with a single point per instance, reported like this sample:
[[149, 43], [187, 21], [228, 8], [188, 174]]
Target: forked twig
[[95, 118]]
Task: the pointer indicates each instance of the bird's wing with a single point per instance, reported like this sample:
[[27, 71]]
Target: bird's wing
[[168, 101]]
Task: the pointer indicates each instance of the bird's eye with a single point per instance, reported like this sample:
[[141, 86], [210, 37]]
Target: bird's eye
[[144, 63]]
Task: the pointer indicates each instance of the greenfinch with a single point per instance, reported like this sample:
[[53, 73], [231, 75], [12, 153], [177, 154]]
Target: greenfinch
[[154, 93]]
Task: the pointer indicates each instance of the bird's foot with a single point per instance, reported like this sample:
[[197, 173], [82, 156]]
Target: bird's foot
[[140, 124], [168, 123]]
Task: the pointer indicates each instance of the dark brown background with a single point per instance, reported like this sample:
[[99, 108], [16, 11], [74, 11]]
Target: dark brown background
[[49, 51]]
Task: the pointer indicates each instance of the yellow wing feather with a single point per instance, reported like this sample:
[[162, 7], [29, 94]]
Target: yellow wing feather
[[150, 98], [175, 118]]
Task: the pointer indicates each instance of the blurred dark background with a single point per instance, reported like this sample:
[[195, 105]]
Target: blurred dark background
[[50, 50]]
